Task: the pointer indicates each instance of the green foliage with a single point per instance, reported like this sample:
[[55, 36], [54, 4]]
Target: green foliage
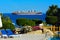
[[51, 15], [51, 19], [45, 24], [58, 14], [22, 21], [7, 23], [1, 14], [52, 10], [6, 19], [37, 21]]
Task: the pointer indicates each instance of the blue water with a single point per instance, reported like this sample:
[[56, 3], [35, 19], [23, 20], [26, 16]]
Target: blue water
[[55, 38], [14, 17], [58, 32]]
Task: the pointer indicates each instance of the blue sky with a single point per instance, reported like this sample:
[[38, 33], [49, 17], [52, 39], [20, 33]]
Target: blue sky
[[9, 6]]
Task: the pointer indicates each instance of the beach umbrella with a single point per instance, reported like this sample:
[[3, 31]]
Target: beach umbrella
[[0, 21]]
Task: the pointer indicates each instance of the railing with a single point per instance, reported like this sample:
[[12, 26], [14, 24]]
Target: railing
[[53, 28]]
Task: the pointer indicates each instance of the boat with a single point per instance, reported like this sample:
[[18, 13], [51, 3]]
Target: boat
[[27, 13]]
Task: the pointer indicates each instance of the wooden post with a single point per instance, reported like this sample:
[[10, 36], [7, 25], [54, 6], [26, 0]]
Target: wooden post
[[53, 28], [59, 28]]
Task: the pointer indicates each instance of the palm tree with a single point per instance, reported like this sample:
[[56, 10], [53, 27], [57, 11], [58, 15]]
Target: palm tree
[[52, 10]]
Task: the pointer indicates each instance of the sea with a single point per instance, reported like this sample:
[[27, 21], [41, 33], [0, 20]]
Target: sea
[[13, 17]]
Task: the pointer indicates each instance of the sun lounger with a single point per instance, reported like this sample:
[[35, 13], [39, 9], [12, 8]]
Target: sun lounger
[[4, 34], [15, 36], [9, 33]]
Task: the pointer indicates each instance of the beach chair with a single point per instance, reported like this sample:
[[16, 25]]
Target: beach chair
[[4, 33], [16, 36], [9, 33]]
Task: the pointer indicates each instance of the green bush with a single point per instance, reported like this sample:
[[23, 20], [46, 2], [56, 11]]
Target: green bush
[[51, 19], [7, 23], [23, 21]]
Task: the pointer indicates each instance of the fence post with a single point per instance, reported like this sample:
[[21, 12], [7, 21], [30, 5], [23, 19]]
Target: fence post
[[59, 28], [53, 28]]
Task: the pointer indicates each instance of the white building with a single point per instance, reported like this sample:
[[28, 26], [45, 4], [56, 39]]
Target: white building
[[0, 21]]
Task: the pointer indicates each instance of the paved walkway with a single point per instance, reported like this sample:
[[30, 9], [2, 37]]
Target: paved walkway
[[28, 37]]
